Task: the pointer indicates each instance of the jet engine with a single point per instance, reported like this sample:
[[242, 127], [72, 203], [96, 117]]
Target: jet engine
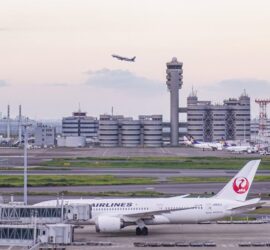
[[107, 224]]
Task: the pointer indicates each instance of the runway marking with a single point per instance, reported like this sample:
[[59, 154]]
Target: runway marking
[[162, 150], [168, 152], [105, 152]]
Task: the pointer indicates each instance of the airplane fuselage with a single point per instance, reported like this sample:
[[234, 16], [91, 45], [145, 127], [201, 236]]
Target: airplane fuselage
[[210, 145], [191, 210], [239, 149]]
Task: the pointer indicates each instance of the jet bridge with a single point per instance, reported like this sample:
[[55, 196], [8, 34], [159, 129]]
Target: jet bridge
[[30, 235], [72, 213]]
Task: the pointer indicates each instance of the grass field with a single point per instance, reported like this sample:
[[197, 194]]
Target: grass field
[[263, 210], [258, 178], [90, 180], [68, 180], [159, 162]]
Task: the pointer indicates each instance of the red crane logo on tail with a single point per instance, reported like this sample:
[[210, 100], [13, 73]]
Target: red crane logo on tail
[[240, 185]]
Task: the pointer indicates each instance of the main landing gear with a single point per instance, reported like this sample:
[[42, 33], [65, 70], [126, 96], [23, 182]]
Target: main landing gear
[[141, 231]]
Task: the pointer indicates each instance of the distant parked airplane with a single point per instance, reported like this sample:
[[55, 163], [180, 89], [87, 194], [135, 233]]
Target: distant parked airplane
[[203, 145], [124, 58], [241, 149]]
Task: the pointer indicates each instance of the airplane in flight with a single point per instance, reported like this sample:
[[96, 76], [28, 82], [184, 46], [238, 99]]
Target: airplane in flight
[[121, 58], [111, 215]]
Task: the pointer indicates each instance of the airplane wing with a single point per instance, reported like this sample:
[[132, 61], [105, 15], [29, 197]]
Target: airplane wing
[[182, 196], [151, 214]]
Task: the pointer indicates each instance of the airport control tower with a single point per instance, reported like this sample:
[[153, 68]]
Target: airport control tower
[[174, 83]]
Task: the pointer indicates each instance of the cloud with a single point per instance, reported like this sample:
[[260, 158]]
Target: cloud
[[123, 80], [6, 29], [58, 84], [3, 83], [255, 88]]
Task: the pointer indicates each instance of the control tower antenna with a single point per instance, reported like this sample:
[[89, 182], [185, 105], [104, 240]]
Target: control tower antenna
[[174, 83], [263, 115]]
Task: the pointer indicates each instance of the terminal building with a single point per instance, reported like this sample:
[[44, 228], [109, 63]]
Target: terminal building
[[213, 122], [120, 131], [109, 128], [80, 125], [151, 135], [45, 136]]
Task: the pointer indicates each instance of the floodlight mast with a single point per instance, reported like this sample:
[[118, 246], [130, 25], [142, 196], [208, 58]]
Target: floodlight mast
[[25, 126]]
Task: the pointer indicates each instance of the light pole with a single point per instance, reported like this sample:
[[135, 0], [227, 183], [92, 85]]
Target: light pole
[[25, 126]]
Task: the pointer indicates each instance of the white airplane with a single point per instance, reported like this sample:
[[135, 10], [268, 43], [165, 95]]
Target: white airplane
[[121, 58], [240, 149], [203, 145], [111, 215]]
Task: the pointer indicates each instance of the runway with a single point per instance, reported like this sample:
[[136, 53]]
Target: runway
[[14, 156]]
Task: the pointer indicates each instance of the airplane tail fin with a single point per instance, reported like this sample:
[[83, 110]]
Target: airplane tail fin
[[185, 138], [133, 58], [239, 186], [187, 141]]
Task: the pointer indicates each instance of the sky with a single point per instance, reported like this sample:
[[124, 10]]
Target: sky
[[56, 54]]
